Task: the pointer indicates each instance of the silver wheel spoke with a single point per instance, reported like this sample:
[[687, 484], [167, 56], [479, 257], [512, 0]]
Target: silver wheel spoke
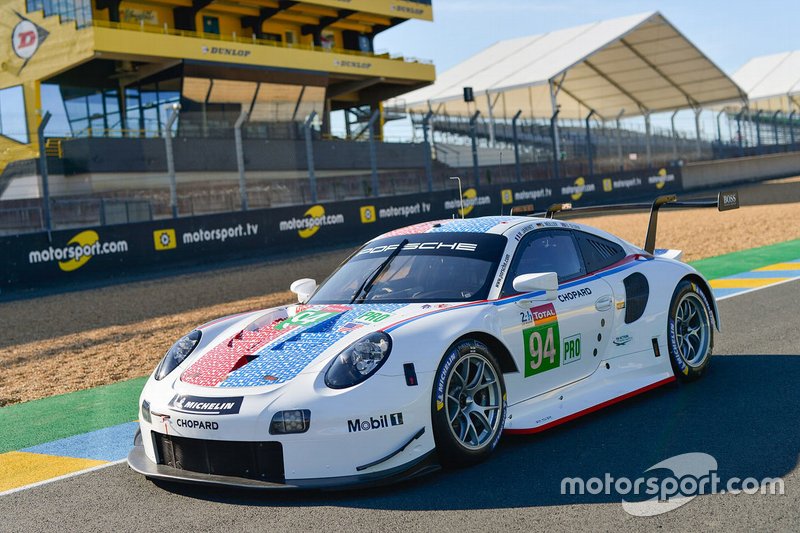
[[473, 382], [483, 420]]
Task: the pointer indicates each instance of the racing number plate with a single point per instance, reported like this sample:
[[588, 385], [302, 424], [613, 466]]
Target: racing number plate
[[542, 341]]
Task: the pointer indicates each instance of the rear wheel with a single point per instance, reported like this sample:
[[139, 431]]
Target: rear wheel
[[691, 333], [468, 407]]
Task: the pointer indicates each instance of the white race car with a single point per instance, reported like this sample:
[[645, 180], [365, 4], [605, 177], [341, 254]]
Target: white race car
[[421, 349]]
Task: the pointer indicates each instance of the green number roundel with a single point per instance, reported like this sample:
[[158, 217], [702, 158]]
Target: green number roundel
[[542, 342]]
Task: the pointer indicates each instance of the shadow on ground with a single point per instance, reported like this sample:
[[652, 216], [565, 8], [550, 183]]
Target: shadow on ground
[[744, 413]]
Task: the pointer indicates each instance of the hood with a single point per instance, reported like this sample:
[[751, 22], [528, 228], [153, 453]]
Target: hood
[[280, 343]]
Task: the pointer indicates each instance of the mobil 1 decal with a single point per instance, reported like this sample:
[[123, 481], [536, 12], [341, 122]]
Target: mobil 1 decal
[[542, 341]]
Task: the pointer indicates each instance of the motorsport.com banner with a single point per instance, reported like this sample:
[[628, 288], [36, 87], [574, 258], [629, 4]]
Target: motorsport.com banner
[[102, 252]]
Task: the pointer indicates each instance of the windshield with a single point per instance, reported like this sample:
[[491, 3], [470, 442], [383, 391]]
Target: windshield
[[430, 267]]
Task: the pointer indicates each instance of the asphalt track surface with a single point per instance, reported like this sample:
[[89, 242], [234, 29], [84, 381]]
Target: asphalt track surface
[[744, 413]]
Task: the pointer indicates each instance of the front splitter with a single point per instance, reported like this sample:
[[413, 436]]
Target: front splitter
[[139, 462]]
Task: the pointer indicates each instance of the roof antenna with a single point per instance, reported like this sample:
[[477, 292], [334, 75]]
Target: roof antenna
[[460, 195]]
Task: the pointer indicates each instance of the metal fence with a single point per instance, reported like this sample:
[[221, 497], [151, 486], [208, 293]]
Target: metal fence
[[479, 152]]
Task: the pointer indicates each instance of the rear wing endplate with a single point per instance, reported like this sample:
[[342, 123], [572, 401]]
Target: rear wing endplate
[[725, 201]]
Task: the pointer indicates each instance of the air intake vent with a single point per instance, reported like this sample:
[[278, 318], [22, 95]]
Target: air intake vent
[[637, 291], [252, 460]]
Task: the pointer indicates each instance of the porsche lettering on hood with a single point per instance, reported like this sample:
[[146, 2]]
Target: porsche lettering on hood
[[279, 345]]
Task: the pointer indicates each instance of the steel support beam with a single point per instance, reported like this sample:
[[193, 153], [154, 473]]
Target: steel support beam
[[674, 136], [173, 182], [43, 171], [589, 142], [237, 135], [373, 152], [312, 178], [517, 166], [473, 131], [428, 152]]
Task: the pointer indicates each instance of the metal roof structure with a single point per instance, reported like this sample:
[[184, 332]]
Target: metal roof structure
[[637, 65], [772, 82]]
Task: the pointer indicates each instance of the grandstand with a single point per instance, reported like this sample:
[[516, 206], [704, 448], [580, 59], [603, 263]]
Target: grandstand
[[118, 64]]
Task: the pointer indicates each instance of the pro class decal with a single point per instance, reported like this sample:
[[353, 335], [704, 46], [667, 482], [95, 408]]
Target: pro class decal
[[206, 406], [572, 349], [542, 342]]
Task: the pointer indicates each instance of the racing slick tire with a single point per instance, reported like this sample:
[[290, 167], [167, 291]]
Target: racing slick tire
[[468, 404], [690, 332]]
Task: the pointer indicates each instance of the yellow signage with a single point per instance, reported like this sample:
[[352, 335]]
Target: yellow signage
[[507, 196], [145, 43], [164, 239], [368, 214], [38, 47], [390, 8]]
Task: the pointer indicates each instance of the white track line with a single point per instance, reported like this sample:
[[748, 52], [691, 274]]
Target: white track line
[[59, 478]]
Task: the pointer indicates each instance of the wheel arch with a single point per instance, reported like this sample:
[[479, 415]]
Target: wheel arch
[[706, 288], [497, 348]]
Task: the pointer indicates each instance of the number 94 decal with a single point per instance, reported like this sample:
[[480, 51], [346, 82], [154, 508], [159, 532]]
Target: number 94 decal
[[542, 341]]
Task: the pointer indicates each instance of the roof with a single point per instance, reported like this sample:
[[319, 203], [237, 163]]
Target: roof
[[638, 63], [771, 81]]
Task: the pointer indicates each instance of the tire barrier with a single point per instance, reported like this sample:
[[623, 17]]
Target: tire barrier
[[98, 253]]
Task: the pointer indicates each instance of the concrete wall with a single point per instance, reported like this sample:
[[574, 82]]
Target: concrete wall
[[721, 172]]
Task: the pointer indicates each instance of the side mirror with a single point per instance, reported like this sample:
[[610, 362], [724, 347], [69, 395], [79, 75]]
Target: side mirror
[[303, 288], [541, 281]]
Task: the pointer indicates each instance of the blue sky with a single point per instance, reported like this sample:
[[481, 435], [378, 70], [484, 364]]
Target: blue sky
[[729, 33]]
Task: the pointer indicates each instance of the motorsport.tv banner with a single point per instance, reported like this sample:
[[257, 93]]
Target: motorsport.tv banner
[[102, 252]]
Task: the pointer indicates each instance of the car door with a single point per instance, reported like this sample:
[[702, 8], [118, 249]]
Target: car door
[[555, 342]]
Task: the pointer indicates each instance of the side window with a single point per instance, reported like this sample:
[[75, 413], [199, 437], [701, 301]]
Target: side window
[[598, 253], [545, 251]]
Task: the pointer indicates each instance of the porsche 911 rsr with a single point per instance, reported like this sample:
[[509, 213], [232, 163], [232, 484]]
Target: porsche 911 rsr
[[421, 350]]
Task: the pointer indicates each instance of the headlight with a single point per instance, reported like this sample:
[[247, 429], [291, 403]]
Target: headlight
[[177, 354], [358, 361]]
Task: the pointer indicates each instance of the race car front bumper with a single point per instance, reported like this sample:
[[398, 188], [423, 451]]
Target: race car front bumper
[[139, 462]]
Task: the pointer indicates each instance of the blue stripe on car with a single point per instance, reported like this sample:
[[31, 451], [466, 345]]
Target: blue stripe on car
[[470, 225]]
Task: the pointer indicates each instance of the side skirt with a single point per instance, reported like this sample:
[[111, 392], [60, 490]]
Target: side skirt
[[568, 418]]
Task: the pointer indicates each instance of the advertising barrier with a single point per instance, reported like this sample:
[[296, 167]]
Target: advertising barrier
[[97, 253]]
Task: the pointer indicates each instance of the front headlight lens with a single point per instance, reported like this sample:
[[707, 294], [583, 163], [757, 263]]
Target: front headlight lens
[[177, 354], [358, 361]]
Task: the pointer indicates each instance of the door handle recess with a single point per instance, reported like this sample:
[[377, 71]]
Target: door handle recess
[[604, 303]]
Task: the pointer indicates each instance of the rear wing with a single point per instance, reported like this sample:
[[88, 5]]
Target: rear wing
[[726, 200]]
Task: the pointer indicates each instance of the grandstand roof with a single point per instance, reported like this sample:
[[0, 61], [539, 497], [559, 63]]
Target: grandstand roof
[[638, 63], [772, 82]]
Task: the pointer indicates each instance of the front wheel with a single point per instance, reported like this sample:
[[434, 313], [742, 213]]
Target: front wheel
[[469, 406], [691, 333]]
